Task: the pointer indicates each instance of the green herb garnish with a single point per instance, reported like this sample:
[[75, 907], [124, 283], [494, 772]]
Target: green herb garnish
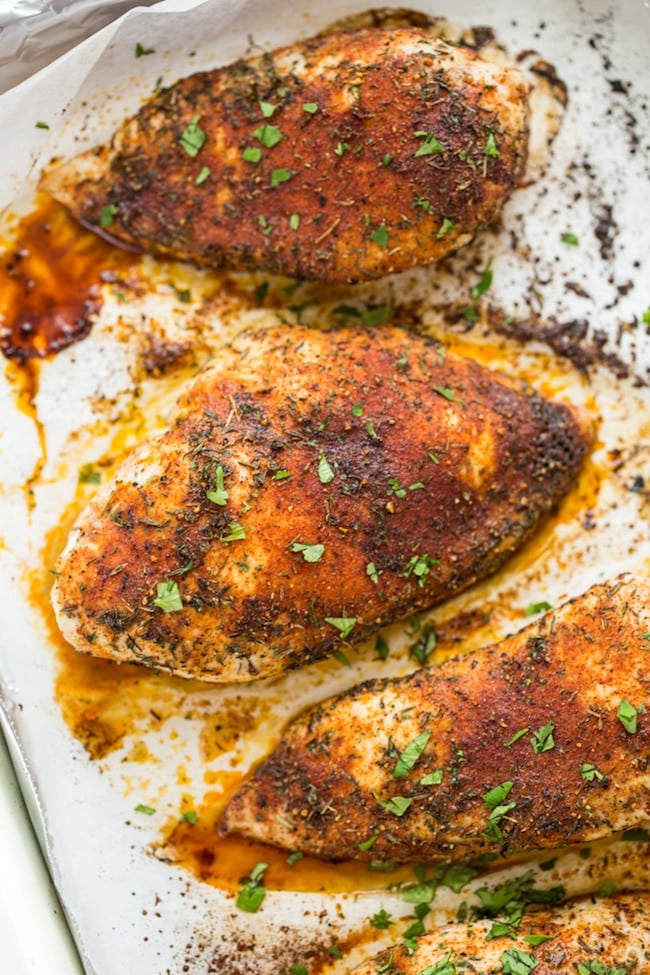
[[491, 148], [484, 283], [411, 754], [107, 215], [193, 137], [344, 624], [252, 154], [590, 773], [396, 804], [219, 495], [430, 146], [280, 176], [627, 715], [168, 597], [542, 739], [268, 135], [252, 893], [310, 553], [325, 472]]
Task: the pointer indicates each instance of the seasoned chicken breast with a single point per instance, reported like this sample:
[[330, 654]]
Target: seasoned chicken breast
[[540, 741], [312, 487], [593, 936], [339, 158]]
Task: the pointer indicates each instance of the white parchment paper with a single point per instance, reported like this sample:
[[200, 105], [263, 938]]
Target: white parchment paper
[[131, 911]]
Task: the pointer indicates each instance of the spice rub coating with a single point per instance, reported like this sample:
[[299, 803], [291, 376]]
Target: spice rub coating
[[313, 486], [340, 158], [603, 936], [540, 741]]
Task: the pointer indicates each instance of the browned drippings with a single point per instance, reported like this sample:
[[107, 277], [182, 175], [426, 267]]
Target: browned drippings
[[50, 282], [225, 861]]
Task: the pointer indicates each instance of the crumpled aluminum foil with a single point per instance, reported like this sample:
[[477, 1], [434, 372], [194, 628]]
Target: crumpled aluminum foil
[[35, 32]]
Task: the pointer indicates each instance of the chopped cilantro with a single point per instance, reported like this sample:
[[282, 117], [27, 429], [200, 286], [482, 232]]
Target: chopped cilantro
[[491, 148], [325, 472], [310, 553], [344, 624], [219, 495], [236, 533], [252, 893], [294, 221], [627, 715], [381, 920], [425, 644], [542, 739], [89, 474], [495, 796], [419, 566], [457, 876], [280, 176], [533, 608], [370, 842], [310, 107], [141, 52], [484, 282], [444, 966], [376, 316], [380, 236], [372, 572], [411, 754], [446, 392], [168, 597], [445, 227], [381, 648], [590, 773], [397, 805], [41, 125], [595, 967], [571, 239], [268, 135], [145, 810], [252, 154], [430, 146], [193, 137], [517, 735], [107, 215], [202, 177], [268, 109], [432, 778], [190, 817], [517, 962]]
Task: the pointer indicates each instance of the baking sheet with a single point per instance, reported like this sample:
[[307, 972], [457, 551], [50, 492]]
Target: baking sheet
[[576, 331]]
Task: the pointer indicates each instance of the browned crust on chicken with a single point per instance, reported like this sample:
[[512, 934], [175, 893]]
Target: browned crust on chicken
[[417, 472], [394, 148], [604, 936], [321, 790]]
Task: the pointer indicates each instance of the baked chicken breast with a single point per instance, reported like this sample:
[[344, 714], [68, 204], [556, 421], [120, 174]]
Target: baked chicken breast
[[339, 158], [313, 486], [540, 741], [592, 936]]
